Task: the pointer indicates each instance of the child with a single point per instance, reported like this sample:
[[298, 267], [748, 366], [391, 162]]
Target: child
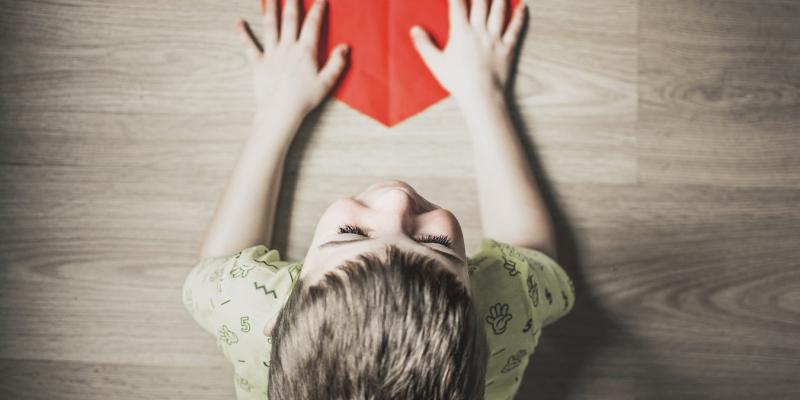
[[386, 303]]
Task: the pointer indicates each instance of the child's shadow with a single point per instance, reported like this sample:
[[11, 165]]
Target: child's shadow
[[291, 168], [589, 330], [568, 344]]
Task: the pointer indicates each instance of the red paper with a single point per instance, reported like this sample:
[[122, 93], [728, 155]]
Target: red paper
[[386, 79]]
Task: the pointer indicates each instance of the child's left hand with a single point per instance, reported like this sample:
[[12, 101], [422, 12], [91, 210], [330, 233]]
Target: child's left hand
[[287, 79]]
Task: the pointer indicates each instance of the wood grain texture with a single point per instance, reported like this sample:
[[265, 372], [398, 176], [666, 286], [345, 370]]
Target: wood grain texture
[[667, 134]]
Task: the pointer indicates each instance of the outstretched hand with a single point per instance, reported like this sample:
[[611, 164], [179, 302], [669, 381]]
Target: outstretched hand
[[479, 50], [287, 77]]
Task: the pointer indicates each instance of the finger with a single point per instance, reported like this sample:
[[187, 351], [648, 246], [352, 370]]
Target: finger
[[477, 14], [333, 67], [309, 33], [457, 11], [425, 47], [511, 36], [289, 21], [270, 24], [496, 18], [252, 51]]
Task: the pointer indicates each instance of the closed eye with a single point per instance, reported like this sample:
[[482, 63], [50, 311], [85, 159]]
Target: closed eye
[[444, 240]]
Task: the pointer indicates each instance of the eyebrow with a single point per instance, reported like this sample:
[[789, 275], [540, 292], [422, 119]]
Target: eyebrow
[[334, 243]]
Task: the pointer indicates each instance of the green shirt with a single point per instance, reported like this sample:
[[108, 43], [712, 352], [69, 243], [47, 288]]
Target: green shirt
[[517, 291]]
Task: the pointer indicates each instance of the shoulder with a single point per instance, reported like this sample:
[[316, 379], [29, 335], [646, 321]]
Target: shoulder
[[517, 291], [213, 276], [535, 268], [234, 296]]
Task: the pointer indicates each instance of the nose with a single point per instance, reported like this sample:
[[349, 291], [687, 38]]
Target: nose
[[398, 203], [397, 199]]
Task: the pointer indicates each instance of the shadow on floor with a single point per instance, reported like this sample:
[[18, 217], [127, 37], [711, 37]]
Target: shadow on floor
[[589, 331], [283, 214], [566, 346]]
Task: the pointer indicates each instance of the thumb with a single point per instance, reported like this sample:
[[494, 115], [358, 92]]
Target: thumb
[[427, 50], [333, 67]]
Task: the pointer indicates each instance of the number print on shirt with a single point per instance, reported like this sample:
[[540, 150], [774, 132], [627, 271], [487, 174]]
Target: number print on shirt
[[533, 290], [548, 296], [244, 322], [510, 266], [514, 361], [498, 318], [227, 335]]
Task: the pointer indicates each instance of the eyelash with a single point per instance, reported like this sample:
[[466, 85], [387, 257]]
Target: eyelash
[[444, 240]]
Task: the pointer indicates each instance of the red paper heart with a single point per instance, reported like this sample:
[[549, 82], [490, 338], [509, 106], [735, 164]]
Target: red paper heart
[[385, 78]]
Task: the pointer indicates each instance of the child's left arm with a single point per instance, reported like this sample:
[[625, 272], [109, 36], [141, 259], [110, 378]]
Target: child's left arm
[[288, 85]]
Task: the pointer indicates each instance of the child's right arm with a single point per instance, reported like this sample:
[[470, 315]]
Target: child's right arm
[[474, 67]]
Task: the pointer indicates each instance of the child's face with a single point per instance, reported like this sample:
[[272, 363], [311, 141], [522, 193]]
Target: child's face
[[389, 213]]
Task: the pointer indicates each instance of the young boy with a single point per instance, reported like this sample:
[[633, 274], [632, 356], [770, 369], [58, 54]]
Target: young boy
[[386, 303]]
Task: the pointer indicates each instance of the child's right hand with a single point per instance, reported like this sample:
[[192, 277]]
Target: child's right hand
[[478, 55]]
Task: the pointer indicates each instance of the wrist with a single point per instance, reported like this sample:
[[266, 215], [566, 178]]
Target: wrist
[[277, 126], [481, 101], [281, 109]]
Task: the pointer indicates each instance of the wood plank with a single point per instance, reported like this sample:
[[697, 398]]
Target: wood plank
[[720, 93], [28, 379], [667, 133]]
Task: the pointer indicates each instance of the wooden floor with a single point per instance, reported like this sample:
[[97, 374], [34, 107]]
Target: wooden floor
[[669, 133]]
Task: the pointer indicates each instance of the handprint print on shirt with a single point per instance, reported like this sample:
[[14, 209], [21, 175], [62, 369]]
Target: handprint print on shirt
[[498, 318], [241, 271], [216, 277], [226, 335]]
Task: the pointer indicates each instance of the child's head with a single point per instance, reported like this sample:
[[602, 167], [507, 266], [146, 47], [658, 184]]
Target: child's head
[[401, 326], [386, 313], [389, 213]]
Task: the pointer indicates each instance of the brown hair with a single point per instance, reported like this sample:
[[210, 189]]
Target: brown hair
[[400, 328]]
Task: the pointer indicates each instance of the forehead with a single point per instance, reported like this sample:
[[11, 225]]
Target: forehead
[[329, 258]]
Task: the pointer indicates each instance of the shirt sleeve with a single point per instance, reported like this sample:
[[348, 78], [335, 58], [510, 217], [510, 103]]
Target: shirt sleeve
[[232, 297], [517, 291]]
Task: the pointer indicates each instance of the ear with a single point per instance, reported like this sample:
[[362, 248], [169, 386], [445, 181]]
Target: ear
[[269, 326]]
